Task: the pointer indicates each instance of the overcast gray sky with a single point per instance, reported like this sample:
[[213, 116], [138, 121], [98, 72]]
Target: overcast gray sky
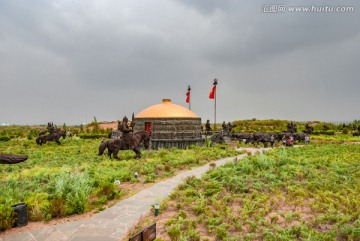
[[68, 61]]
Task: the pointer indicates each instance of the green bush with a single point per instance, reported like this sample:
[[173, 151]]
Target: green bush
[[32, 134], [7, 217], [92, 136], [174, 232], [75, 190], [107, 190], [38, 206], [345, 131], [29, 136], [5, 138], [57, 207], [221, 231]]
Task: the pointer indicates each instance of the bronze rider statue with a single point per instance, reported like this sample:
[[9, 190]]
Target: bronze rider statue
[[126, 133], [208, 128], [51, 128]]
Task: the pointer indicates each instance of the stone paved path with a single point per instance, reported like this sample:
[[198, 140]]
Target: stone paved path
[[113, 223]]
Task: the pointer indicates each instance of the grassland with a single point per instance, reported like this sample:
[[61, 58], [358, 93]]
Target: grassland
[[308, 193], [58, 181]]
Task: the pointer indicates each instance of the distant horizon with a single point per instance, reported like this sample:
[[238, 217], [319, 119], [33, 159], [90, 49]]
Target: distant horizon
[[103, 121]]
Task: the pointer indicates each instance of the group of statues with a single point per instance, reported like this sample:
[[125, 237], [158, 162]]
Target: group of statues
[[51, 134], [226, 128], [292, 128], [288, 137], [131, 140], [54, 135], [218, 137]]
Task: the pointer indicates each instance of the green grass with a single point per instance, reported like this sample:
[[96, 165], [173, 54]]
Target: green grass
[[308, 193], [338, 137], [60, 180]]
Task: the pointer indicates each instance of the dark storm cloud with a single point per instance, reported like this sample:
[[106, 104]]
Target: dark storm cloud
[[241, 34], [69, 61]]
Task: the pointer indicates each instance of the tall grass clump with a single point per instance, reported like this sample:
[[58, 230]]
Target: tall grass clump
[[75, 190]]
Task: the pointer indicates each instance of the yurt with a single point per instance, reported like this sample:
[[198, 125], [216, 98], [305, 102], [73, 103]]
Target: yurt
[[171, 125]]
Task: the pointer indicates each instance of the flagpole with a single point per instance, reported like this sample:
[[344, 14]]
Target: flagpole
[[189, 89], [215, 83]]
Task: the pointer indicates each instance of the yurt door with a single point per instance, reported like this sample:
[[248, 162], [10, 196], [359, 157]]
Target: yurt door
[[148, 127]]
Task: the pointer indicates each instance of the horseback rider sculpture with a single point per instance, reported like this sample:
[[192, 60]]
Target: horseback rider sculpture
[[127, 133], [51, 128]]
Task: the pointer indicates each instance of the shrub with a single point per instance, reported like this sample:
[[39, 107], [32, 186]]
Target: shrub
[[75, 190], [29, 136], [174, 232], [5, 138], [38, 206], [32, 134], [57, 207], [150, 178], [7, 217], [221, 232], [194, 235], [107, 190]]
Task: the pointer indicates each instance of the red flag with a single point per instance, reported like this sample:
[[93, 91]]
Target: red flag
[[188, 96], [212, 92]]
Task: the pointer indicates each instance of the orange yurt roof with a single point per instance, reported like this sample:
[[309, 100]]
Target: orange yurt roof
[[166, 109]]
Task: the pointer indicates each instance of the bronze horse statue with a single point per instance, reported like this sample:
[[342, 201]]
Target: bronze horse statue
[[115, 145], [55, 136]]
